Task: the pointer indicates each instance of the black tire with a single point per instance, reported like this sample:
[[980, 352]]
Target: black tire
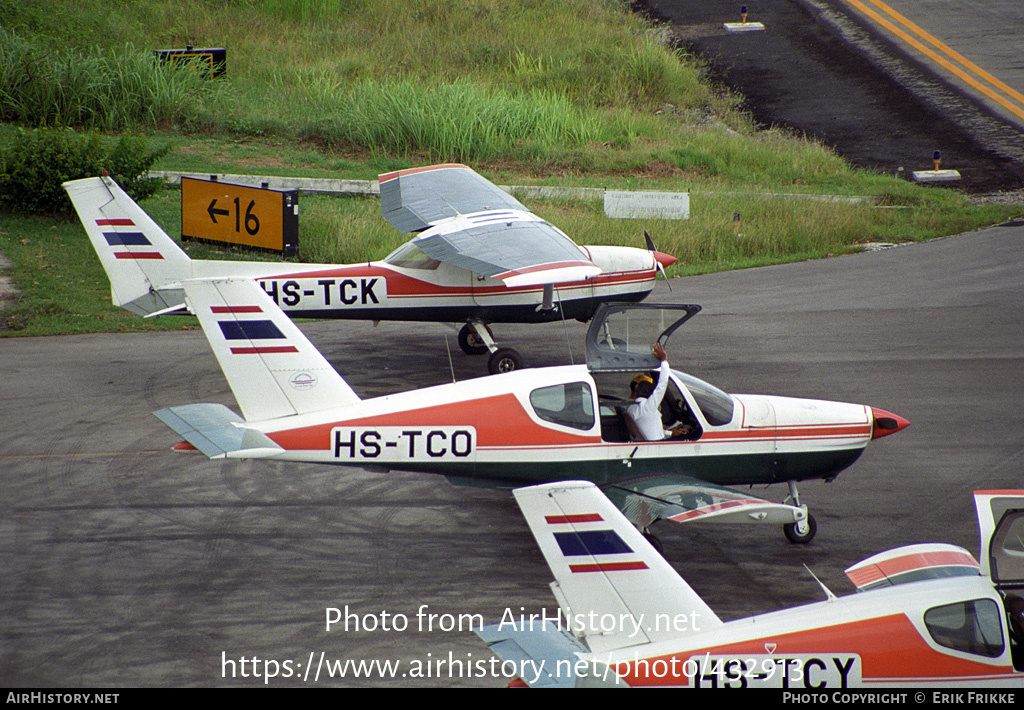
[[504, 360], [470, 342], [796, 538]]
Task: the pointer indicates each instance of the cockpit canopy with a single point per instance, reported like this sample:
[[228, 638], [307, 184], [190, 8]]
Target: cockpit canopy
[[621, 334]]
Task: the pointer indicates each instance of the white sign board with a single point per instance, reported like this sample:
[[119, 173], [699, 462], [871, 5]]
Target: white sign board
[[620, 204]]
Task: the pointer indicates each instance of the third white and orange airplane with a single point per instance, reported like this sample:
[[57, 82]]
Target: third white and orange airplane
[[924, 616]]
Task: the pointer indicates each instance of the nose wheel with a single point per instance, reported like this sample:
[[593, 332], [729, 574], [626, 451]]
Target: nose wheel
[[802, 531], [799, 536]]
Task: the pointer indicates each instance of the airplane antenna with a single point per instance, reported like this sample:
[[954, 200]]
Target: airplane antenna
[[451, 365], [828, 592]]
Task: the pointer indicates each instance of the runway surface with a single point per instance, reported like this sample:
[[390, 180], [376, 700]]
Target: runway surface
[[974, 44], [125, 564], [828, 70]]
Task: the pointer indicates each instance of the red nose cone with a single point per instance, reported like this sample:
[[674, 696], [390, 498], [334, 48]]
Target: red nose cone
[[664, 259], [886, 423]]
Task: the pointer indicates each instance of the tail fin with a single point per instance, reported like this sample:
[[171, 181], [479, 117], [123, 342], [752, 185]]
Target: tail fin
[[144, 265], [272, 368], [614, 589]]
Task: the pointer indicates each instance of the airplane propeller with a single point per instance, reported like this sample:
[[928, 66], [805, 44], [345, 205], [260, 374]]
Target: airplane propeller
[[662, 260]]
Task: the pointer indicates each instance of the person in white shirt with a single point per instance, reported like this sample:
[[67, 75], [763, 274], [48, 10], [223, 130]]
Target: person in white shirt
[[647, 397]]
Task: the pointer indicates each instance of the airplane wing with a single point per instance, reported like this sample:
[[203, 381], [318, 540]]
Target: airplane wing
[[466, 221], [683, 499], [605, 570], [417, 199], [912, 563]]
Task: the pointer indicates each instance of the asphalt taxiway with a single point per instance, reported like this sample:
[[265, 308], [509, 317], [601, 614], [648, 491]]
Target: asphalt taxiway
[[125, 564]]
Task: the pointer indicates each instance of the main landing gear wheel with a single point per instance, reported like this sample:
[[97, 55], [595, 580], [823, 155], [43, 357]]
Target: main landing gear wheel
[[471, 342], [504, 360], [794, 534]]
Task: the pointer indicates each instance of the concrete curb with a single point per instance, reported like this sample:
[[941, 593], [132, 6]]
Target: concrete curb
[[328, 186]]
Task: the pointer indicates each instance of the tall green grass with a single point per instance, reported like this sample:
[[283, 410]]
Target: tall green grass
[[461, 120], [593, 53], [105, 89]]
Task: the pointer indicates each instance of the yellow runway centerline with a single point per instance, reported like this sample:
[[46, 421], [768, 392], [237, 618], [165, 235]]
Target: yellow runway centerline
[[946, 57]]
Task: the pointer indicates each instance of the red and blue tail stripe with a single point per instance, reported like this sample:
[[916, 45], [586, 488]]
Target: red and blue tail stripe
[[593, 543], [127, 239], [251, 330]]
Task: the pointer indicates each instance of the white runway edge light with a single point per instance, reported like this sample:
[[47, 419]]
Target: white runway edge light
[[935, 175], [743, 25]]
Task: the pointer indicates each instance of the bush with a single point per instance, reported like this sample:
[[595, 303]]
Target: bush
[[33, 168]]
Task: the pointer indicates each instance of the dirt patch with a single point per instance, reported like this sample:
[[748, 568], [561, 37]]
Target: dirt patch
[[819, 73], [7, 290]]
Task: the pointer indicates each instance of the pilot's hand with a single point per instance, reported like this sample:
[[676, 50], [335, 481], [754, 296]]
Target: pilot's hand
[[681, 431], [659, 351]]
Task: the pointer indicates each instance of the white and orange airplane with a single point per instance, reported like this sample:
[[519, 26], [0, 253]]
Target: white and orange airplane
[[923, 615], [479, 257], [527, 426]]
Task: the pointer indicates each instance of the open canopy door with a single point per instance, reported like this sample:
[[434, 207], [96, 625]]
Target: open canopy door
[[621, 334], [1001, 523]]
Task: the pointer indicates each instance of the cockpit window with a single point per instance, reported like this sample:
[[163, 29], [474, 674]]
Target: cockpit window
[[716, 406], [971, 626], [410, 256], [570, 405]]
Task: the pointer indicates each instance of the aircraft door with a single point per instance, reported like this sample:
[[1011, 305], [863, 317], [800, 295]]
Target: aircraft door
[[488, 292], [621, 334], [1001, 523], [1006, 551]]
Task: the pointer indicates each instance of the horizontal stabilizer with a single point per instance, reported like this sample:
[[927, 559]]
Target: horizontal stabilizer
[[605, 569], [544, 653], [217, 431], [684, 500]]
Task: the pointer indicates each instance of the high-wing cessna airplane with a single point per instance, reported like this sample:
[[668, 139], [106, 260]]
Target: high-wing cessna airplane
[[479, 257], [526, 426], [923, 615]]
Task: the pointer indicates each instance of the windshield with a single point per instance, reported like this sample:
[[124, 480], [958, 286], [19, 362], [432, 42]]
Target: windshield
[[714, 404], [410, 256]]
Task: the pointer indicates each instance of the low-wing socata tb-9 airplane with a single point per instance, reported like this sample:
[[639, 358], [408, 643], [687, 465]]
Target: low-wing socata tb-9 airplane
[[923, 615], [527, 426], [479, 257]]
